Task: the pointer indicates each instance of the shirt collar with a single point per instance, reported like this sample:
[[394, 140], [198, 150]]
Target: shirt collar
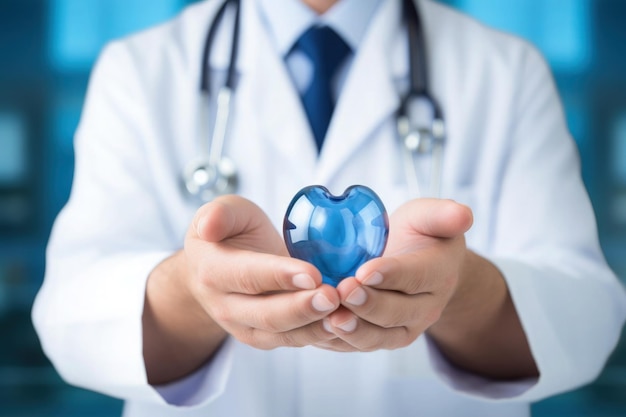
[[287, 20]]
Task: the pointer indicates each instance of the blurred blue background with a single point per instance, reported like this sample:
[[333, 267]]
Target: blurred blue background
[[47, 48]]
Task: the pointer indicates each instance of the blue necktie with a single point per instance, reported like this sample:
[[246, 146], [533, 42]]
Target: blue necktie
[[326, 50]]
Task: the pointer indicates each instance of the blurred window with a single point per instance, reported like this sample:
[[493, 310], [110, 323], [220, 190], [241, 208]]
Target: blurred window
[[560, 28], [619, 150], [79, 28], [13, 145]]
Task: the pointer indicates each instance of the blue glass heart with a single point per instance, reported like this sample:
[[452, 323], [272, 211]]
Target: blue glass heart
[[336, 234]]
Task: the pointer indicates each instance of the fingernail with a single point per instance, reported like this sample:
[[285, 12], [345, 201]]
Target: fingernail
[[321, 303], [358, 297], [303, 281], [348, 326], [327, 326], [200, 226], [375, 279]]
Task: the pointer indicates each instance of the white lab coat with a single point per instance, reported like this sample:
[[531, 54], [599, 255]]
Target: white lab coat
[[509, 156]]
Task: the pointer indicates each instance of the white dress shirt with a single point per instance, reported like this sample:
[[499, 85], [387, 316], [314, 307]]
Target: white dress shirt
[[287, 20]]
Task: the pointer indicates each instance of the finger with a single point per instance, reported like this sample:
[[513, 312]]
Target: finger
[[231, 270], [389, 309], [423, 271], [365, 336], [336, 345], [281, 312], [433, 217], [303, 336], [234, 216], [224, 217]]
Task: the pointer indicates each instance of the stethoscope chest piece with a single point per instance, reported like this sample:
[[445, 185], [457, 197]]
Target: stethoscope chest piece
[[208, 180], [421, 130]]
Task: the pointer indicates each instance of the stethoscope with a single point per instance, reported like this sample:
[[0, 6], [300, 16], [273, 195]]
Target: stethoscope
[[419, 120]]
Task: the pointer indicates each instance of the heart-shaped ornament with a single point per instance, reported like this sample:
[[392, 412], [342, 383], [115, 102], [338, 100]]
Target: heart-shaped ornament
[[337, 234]]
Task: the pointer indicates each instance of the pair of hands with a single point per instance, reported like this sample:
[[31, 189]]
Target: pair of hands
[[243, 278]]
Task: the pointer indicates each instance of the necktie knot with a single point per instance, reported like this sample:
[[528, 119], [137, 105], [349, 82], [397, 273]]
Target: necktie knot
[[324, 47], [326, 51]]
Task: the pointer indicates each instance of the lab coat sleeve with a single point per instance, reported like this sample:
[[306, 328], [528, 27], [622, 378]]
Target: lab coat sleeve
[[104, 244], [571, 305]]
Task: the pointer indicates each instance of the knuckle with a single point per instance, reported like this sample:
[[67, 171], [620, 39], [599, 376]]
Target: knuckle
[[302, 316], [202, 274], [398, 318], [253, 338], [222, 314], [373, 345], [413, 315], [334, 346], [264, 345], [287, 339], [401, 339], [253, 280], [201, 284], [368, 349], [265, 321], [432, 316], [415, 283], [407, 337], [246, 336], [247, 282], [278, 277]]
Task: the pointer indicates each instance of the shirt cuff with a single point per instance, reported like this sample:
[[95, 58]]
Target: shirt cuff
[[548, 303], [471, 384], [204, 385]]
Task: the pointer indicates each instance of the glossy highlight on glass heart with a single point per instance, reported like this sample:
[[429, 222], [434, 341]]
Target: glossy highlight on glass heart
[[337, 234]]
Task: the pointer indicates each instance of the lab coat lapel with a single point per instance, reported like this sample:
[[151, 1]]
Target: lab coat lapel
[[280, 112], [266, 105], [368, 97]]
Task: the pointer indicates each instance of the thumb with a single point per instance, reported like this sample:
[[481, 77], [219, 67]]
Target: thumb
[[433, 217], [225, 217]]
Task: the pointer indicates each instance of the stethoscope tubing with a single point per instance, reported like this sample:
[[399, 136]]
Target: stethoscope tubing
[[417, 134]]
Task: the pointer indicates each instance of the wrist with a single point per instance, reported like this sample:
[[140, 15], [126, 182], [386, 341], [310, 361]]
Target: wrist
[[479, 296], [479, 330], [178, 334]]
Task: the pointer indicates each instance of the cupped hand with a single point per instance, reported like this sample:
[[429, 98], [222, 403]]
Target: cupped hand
[[244, 279], [397, 297]]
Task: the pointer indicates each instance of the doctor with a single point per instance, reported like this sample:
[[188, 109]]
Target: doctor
[[476, 308]]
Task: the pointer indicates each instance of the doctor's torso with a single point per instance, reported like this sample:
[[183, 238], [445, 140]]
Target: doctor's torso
[[269, 138], [272, 147]]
